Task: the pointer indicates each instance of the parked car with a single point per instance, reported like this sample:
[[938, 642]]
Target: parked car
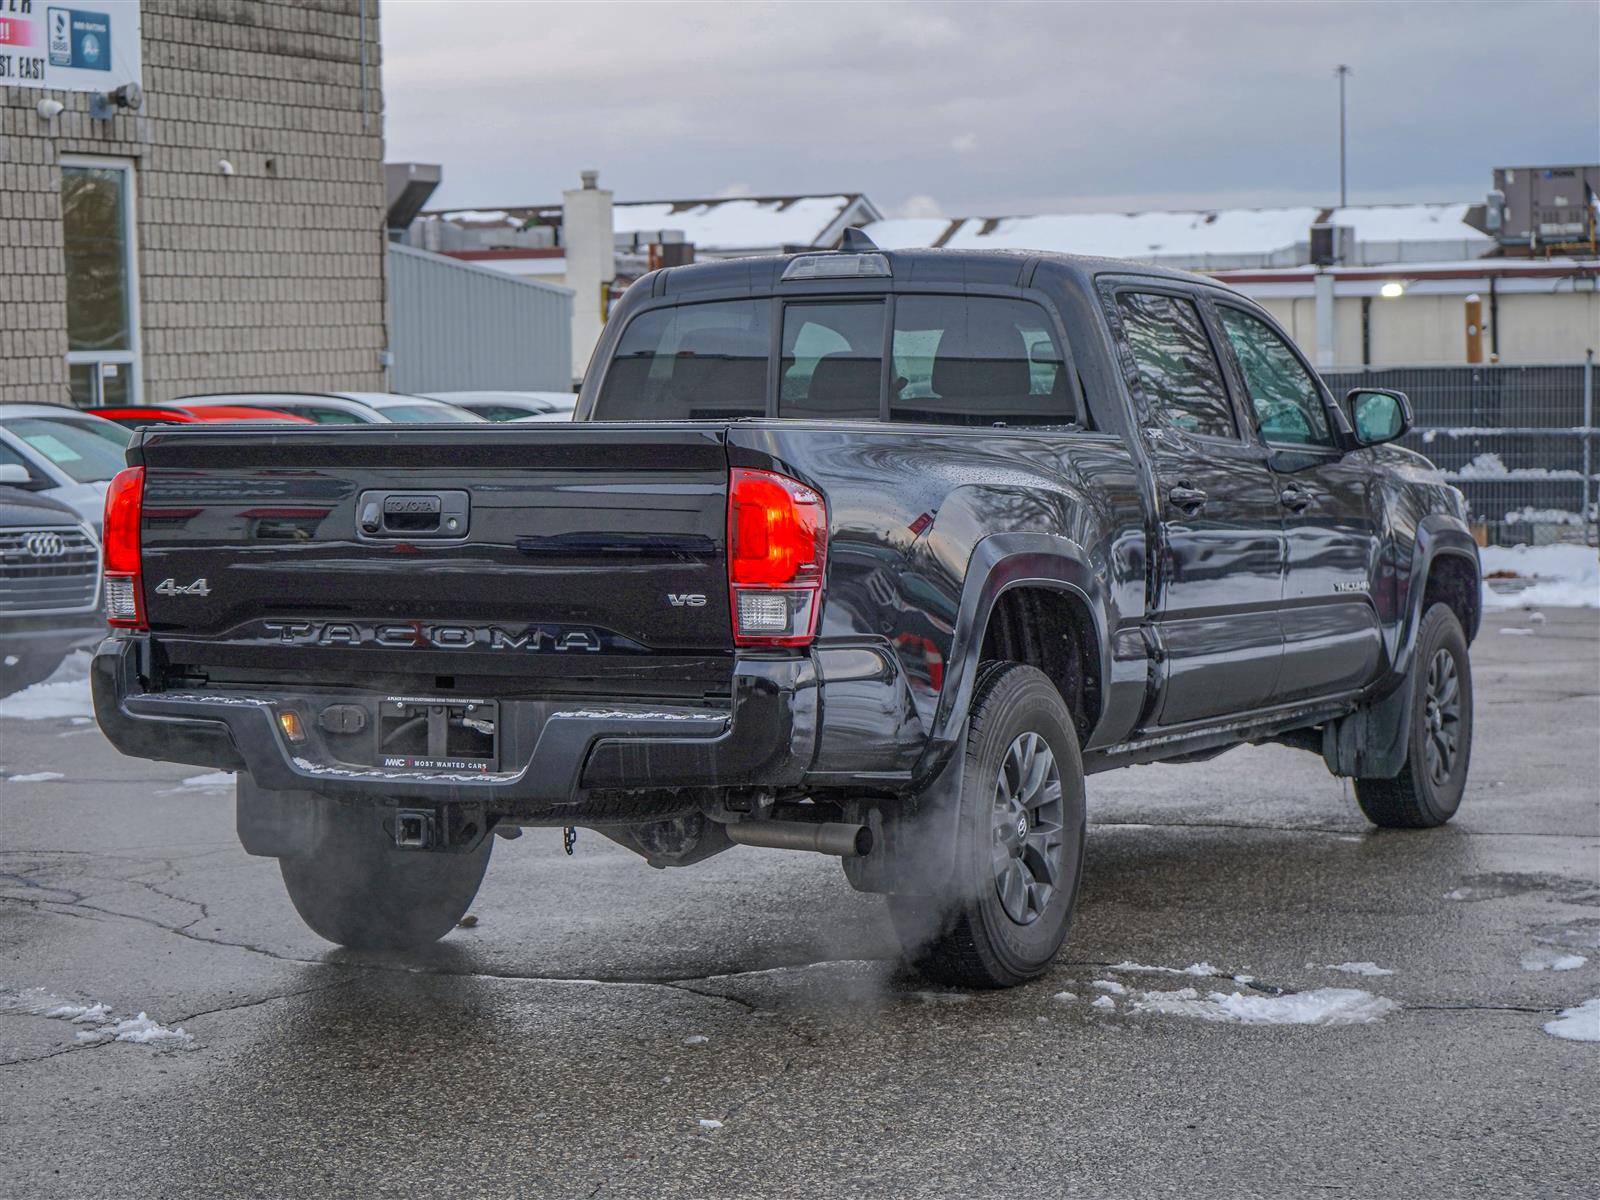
[[870, 554], [62, 453], [49, 587], [337, 408], [512, 406], [136, 416]]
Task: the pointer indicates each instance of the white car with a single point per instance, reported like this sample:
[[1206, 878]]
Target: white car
[[339, 408], [61, 453], [513, 406]]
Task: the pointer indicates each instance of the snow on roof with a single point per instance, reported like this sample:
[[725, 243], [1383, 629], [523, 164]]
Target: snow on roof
[[1411, 223], [1223, 233], [736, 223]]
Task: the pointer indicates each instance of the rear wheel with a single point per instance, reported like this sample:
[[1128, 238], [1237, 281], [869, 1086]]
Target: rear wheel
[[1020, 839], [352, 887], [1428, 789]]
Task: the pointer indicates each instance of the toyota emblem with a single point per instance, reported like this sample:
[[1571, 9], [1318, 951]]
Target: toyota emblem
[[45, 545]]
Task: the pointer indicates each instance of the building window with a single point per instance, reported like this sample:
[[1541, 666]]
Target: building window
[[102, 281]]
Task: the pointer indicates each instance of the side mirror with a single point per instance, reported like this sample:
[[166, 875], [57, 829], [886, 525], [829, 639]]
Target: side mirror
[[1379, 415], [15, 474]]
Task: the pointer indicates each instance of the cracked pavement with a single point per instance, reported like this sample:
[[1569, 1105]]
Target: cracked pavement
[[542, 1052]]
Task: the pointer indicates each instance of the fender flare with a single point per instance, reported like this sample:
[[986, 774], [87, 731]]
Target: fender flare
[[1370, 743], [915, 842], [999, 563]]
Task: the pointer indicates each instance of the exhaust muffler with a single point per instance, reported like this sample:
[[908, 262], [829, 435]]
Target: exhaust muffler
[[820, 837]]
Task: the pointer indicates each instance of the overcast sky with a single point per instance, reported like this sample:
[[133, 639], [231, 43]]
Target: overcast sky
[[988, 109]]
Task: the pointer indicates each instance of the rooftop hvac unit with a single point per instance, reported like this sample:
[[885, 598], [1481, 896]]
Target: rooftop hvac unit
[[1331, 244]]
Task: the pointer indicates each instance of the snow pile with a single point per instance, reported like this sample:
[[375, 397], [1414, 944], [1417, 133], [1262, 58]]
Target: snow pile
[[64, 694], [1103, 1002], [1581, 1024], [1110, 985], [36, 777], [1551, 960], [1562, 576], [216, 779], [1322, 1006], [1199, 969], [710, 1123], [106, 1027], [1359, 968]]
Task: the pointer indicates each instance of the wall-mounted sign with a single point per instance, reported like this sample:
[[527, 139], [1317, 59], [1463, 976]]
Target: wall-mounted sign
[[58, 47]]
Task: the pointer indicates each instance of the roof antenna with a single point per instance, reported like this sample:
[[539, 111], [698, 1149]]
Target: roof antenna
[[856, 241]]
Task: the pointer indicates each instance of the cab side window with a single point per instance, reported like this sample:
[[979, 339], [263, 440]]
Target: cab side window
[[1286, 399], [1178, 371]]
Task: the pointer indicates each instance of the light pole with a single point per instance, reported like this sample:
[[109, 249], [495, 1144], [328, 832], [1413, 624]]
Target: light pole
[[1342, 72]]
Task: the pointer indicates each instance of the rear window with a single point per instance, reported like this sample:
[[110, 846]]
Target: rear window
[[977, 361], [955, 360], [695, 362]]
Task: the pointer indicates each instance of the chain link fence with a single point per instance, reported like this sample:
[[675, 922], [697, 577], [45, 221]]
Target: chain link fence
[[1519, 441]]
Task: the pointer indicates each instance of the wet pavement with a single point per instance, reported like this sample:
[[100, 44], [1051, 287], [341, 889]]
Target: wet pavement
[[553, 1049]]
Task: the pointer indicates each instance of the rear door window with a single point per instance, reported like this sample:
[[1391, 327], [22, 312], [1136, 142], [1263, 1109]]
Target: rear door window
[[832, 365], [1178, 370], [692, 362], [977, 360]]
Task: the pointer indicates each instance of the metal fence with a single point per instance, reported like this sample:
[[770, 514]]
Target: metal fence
[[1519, 441]]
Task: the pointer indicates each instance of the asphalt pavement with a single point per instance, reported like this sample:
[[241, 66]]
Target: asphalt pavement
[[741, 1028]]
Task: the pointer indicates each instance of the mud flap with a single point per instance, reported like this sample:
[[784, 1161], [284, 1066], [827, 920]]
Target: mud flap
[[1371, 742], [276, 824], [290, 823], [913, 846]]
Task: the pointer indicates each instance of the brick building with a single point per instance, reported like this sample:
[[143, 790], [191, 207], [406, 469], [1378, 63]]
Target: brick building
[[223, 230]]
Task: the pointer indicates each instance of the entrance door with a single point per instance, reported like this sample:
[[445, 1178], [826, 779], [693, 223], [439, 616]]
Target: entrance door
[[1332, 639], [1221, 555]]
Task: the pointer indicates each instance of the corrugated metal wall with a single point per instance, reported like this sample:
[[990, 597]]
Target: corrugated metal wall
[[456, 327]]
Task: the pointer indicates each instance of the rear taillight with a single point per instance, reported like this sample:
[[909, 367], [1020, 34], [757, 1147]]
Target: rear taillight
[[124, 590], [777, 555]]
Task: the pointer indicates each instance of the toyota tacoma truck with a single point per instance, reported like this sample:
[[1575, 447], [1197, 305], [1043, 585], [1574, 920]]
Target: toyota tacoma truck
[[871, 554]]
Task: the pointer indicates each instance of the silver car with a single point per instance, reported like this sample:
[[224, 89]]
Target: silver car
[[65, 455]]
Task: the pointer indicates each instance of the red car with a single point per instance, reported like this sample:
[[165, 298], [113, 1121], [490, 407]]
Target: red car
[[134, 415]]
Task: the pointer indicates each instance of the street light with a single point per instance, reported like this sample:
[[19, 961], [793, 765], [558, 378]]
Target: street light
[[1342, 72], [1392, 290]]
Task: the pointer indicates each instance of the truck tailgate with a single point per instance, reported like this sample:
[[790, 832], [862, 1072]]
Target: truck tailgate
[[564, 554]]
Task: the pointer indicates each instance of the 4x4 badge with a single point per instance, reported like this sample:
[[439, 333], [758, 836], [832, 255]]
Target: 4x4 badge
[[171, 587]]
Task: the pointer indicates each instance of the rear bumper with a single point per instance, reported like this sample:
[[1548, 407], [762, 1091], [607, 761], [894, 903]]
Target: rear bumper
[[767, 738]]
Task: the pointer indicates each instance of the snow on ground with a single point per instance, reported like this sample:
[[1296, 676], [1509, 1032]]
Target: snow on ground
[[1581, 1024], [1110, 985], [1199, 969], [1103, 1002], [104, 1023], [210, 781], [36, 777], [1552, 960], [1563, 576], [64, 694], [1321, 1006], [1359, 968]]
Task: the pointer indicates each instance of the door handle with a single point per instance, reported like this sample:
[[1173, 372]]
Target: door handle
[[1189, 499], [1295, 498]]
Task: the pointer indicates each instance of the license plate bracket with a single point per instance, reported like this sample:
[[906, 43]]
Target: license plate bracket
[[431, 733]]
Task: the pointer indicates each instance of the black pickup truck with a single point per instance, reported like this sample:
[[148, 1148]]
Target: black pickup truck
[[872, 554]]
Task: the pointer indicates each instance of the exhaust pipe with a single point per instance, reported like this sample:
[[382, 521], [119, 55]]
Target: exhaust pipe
[[825, 837]]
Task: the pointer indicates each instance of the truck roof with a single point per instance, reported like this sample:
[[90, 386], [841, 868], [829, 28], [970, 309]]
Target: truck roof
[[981, 267]]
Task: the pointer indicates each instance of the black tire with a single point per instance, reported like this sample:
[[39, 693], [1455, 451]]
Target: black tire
[[355, 889], [972, 936], [1428, 789]]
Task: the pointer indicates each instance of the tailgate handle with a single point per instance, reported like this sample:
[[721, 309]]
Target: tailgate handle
[[402, 514]]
